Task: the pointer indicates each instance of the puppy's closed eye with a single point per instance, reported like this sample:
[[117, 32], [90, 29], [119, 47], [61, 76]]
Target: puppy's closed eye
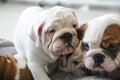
[[113, 46], [52, 31]]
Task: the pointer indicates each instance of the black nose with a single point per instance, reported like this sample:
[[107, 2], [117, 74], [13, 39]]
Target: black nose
[[67, 37], [98, 58]]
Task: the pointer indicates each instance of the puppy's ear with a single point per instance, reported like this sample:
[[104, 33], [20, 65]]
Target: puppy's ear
[[74, 13], [81, 30], [35, 33], [39, 34]]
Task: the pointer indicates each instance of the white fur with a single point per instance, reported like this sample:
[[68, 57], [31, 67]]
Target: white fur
[[93, 36], [21, 63], [97, 26], [34, 47]]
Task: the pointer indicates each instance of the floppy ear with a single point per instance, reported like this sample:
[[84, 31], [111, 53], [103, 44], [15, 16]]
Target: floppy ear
[[74, 13], [35, 33], [81, 30]]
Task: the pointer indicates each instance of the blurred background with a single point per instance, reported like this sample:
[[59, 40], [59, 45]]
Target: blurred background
[[85, 9]]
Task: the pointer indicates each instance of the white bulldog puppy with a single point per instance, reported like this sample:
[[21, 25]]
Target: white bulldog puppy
[[41, 36], [101, 44]]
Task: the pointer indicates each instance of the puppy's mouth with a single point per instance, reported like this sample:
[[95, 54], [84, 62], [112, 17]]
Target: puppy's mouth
[[60, 47], [108, 65], [64, 48], [92, 65], [98, 67]]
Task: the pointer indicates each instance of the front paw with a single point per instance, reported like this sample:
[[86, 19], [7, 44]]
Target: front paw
[[38, 71]]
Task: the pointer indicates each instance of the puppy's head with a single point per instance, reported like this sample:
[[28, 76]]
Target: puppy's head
[[57, 32], [101, 43], [74, 62]]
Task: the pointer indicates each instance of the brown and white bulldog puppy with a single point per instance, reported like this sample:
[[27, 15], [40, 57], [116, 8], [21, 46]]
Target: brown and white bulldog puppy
[[73, 62], [41, 36], [101, 44], [14, 68]]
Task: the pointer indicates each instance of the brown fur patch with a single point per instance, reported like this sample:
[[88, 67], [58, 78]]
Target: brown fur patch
[[82, 28], [25, 74], [111, 35], [7, 67]]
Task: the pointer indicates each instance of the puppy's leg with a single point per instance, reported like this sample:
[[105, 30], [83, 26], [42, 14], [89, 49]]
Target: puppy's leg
[[38, 71]]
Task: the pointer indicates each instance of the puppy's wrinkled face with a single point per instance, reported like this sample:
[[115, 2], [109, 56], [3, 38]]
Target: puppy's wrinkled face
[[60, 35], [111, 47], [106, 55]]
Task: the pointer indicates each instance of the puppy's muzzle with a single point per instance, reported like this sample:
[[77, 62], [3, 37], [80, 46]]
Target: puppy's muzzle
[[67, 37], [98, 59]]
